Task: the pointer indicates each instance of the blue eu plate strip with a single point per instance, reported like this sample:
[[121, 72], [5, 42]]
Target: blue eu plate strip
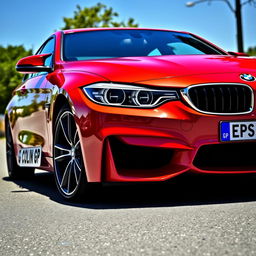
[[225, 131]]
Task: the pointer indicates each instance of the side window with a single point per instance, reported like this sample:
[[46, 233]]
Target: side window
[[48, 47]]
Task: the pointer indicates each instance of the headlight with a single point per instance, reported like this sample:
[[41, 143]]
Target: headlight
[[128, 95]]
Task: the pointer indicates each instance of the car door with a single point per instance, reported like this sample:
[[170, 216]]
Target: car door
[[27, 109]]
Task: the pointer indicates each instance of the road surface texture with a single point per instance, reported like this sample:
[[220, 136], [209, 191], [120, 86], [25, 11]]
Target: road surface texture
[[190, 215]]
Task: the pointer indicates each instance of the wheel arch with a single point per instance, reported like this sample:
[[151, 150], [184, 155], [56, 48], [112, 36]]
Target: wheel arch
[[59, 102], [63, 100]]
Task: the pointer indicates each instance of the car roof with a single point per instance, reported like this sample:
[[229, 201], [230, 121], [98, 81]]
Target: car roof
[[116, 28]]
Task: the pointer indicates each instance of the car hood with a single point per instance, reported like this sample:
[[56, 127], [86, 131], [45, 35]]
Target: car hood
[[139, 69]]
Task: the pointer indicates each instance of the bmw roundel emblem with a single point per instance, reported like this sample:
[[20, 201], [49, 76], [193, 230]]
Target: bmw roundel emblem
[[247, 77]]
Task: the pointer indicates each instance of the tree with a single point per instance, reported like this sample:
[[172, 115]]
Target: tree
[[251, 51], [9, 77], [96, 16], [238, 15]]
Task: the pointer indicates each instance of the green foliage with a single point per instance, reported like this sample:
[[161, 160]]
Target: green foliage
[[9, 77], [96, 16], [251, 51]]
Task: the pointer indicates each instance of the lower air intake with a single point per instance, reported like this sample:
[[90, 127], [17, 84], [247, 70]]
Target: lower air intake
[[226, 157]]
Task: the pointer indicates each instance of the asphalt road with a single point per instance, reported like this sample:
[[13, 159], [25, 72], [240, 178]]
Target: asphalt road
[[191, 215]]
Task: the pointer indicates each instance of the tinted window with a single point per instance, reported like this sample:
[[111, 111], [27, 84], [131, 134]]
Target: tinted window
[[128, 43], [48, 47]]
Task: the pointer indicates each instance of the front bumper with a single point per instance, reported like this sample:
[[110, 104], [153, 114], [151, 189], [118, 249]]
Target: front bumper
[[121, 144]]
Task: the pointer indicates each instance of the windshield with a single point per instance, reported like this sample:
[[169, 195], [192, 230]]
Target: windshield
[[103, 44]]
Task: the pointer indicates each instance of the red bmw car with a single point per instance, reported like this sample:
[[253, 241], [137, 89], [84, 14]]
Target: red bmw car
[[130, 105]]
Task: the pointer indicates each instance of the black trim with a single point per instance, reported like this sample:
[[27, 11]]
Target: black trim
[[61, 46], [35, 69]]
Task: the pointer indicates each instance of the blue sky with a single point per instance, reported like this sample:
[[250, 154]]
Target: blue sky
[[30, 22]]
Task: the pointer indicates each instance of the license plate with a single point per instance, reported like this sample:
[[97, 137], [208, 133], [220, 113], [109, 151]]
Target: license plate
[[30, 157], [234, 131]]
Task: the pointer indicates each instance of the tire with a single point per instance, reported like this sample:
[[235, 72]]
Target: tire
[[69, 170], [14, 171]]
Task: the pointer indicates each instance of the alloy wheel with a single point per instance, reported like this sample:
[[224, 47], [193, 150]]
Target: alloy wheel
[[68, 161]]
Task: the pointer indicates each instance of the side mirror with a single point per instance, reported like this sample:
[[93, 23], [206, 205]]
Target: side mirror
[[241, 54], [33, 64]]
